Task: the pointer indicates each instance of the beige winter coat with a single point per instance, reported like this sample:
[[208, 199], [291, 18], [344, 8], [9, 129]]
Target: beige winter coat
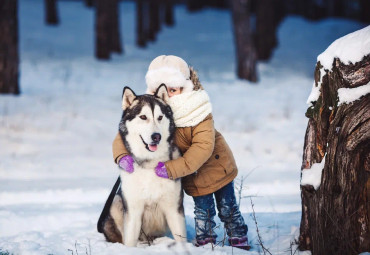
[[207, 163]]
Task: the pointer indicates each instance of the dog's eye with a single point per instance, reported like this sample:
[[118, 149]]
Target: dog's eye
[[143, 117], [160, 117]]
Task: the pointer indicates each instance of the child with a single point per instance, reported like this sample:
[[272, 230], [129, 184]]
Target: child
[[207, 167]]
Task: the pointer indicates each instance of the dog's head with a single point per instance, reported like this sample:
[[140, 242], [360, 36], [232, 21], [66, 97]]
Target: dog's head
[[147, 126]]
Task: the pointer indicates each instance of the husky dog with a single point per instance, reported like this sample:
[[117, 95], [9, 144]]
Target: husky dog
[[146, 205]]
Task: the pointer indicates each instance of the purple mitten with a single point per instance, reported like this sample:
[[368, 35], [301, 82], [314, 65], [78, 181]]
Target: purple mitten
[[161, 171], [127, 163]]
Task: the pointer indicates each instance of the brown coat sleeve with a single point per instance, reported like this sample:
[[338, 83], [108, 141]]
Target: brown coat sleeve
[[201, 149], [118, 148]]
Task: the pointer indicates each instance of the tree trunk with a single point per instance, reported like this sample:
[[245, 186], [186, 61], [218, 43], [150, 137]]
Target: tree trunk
[[331, 7], [218, 3], [51, 12], [307, 9], [339, 8], [113, 27], [102, 44], [89, 3], [140, 24], [9, 59], [365, 10], [169, 17], [194, 5], [154, 19], [245, 49], [336, 216], [265, 28], [107, 29]]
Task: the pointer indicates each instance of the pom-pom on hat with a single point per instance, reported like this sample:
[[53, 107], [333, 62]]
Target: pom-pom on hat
[[170, 70]]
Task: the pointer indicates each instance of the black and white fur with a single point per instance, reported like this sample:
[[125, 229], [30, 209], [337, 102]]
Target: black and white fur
[[146, 205]]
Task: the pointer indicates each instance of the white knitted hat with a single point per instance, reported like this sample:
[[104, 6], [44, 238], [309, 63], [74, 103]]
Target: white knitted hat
[[170, 70]]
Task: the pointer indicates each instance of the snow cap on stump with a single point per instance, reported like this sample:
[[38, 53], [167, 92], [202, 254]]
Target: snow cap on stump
[[170, 70], [350, 48]]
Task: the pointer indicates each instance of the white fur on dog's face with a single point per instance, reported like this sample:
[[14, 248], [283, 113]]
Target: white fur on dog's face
[[141, 129]]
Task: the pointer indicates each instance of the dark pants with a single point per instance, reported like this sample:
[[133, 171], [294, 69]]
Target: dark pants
[[228, 212]]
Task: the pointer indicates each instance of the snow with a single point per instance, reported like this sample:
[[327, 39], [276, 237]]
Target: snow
[[312, 176], [349, 49], [314, 95], [316, 90], [56, 167], [349, 95]]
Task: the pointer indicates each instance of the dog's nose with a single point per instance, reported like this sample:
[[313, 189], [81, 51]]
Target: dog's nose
[[156, 137]]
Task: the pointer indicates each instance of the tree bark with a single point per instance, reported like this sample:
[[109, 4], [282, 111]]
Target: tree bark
[[245, 49], [336, 216], [51, 12], [9, 58]]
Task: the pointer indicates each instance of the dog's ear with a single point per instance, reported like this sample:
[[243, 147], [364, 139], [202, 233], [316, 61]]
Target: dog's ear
[[128, 96], [162, 93]]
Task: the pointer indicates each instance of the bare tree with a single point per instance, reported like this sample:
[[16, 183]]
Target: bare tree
[[51, 12], [9, 59], [245, 49], [335, 217]]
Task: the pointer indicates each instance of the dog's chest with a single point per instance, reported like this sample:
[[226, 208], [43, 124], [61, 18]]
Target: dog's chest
[[144, 184]]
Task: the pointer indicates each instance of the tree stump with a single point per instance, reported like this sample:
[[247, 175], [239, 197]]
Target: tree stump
[[336, 215]]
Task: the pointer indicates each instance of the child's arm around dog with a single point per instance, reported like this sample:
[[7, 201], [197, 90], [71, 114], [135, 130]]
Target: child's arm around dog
[[119, 149], [201, 148]]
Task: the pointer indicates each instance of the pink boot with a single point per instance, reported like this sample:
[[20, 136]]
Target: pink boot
[[205, 241], [239, 242]]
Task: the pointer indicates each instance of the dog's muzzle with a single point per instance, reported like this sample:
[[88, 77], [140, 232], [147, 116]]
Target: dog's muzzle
[[156, 138]]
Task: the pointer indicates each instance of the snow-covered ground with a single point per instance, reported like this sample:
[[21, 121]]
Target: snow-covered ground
[[56, 166]]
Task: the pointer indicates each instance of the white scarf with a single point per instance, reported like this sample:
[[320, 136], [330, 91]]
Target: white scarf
[[190, 108]]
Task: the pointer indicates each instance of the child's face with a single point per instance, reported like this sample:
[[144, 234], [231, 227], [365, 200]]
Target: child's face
[[174, 91]]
